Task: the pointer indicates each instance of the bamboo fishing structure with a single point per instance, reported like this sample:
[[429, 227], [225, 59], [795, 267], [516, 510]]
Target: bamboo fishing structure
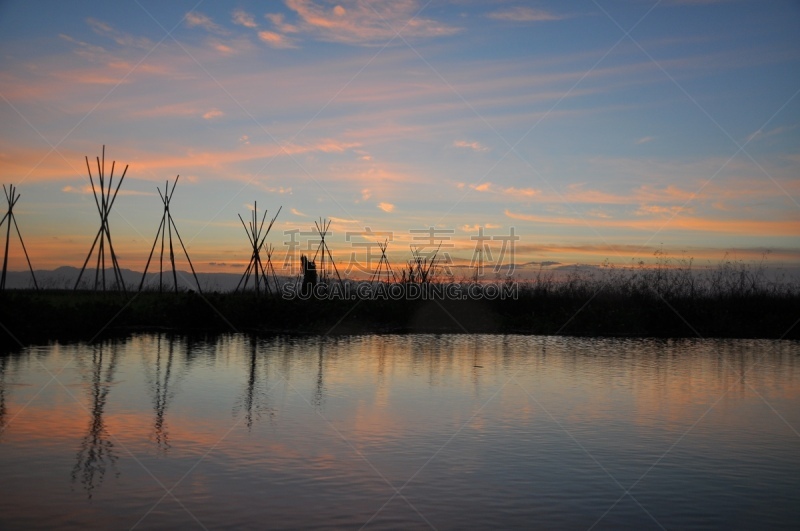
[[322, 229], [104, 200], [383, 265], [12, 197], [256, 268], [163, 233]]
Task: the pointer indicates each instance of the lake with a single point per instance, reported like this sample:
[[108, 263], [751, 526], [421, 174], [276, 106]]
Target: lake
[[401, 431]]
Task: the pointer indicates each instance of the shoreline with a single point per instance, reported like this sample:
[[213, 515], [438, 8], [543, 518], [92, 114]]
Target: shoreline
[[31, 317]]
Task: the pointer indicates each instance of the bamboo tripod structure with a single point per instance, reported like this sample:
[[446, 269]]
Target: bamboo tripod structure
[[383, 265], [12, 197], [104, 201], [256, 234], [163, 233], [322, 229]]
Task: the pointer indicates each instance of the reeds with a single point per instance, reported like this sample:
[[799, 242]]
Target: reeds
[[669, 278]]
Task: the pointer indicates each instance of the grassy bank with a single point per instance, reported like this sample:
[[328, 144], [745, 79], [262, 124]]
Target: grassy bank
[[666, 301]]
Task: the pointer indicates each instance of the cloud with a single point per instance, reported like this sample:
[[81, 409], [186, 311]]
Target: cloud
[[197, 19], [644, 140], [213, 113], [335, 146], [475, 146], [527, 192], [298, 213], [221, 47], [510, 190], [89, 48], [87, 190], [279, 190], [646, 210], [737, 226], [278, 21], [365, 194], [276, 40], [771, 132], [89, 78], [523, 14], [695, 2], [476, 228], [123, 39], [242, 18], [364, 23], [386, 207]]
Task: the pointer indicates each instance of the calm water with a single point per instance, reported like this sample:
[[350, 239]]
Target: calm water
[[401, 432]]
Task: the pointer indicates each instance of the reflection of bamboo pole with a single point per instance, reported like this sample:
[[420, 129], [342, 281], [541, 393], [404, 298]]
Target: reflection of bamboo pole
[[96, 447], [251, 382], [3, 363], [162, 395], [319, 395]]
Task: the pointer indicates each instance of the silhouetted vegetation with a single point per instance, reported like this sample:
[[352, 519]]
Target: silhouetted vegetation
[[668, 300]]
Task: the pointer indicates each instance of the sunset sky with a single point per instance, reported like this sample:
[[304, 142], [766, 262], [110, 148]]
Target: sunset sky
[[594, 129]]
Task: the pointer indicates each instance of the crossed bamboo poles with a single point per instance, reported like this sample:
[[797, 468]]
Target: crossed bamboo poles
[[383, 265], [12, 197], [322, 229], [256, 235], [104, 201], [164, 233]]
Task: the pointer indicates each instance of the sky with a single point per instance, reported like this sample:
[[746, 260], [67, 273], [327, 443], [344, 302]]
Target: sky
[[540, 132]]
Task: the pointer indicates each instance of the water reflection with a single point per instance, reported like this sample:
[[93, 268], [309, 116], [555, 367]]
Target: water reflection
[[159, 375], [486, 426], [96, 451], [255, 399], [4, 361], [319, 392]]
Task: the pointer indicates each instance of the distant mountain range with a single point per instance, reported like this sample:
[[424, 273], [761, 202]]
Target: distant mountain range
[[65, 277]]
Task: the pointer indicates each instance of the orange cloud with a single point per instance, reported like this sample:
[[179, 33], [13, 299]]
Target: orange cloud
[[362, 23], [213, 113], [474, 146], [197, 19], [276, 40], [524, 14], [40, 165], [475, 228], [280, 24], [386, 207], [241, 17], [685, 223], [511, 190], [120, 37]]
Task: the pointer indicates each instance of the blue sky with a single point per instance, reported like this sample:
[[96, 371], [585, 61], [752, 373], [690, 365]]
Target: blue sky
[[597, 130]]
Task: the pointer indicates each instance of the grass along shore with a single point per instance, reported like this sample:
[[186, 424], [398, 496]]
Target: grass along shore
[[670, 300]]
